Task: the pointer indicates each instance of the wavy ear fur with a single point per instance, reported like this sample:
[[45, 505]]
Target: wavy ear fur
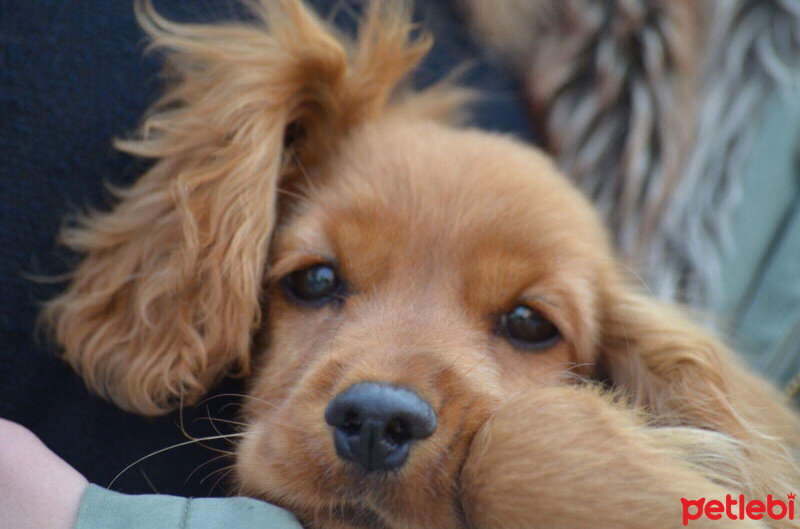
[[167, 295], [683, 376]]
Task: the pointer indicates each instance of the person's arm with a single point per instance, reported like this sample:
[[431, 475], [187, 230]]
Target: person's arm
[[38, 490]]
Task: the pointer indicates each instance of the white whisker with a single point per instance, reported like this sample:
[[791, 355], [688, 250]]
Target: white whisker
[[185, 443]]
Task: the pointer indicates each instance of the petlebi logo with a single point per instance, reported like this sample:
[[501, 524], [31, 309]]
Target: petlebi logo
[[738, 508]]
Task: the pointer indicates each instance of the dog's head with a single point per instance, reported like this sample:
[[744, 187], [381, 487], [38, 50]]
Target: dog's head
[[427, 275], [393, 278]]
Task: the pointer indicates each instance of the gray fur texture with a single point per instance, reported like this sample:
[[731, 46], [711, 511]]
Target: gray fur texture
[[652, 107]]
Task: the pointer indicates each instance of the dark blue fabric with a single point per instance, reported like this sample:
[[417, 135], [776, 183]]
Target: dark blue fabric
[[72, 77]]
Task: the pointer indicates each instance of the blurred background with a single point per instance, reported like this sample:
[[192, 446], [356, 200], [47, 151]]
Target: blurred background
[[680, 118]]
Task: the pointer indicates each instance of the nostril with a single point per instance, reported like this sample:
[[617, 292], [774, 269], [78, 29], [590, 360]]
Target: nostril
[[352, 423], [398, 431]]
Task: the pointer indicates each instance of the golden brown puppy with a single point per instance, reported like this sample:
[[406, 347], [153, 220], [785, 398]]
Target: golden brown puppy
[[421, 307]]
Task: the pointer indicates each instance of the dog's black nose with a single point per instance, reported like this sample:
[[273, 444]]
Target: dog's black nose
[[374, 424]]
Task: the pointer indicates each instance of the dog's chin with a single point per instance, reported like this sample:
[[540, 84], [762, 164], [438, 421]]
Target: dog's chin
[[324, 491]]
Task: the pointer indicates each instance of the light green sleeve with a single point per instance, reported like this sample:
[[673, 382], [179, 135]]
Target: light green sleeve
[[104, 509]]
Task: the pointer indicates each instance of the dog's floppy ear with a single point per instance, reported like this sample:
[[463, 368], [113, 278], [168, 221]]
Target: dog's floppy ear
[[167, 296], [684, 376]]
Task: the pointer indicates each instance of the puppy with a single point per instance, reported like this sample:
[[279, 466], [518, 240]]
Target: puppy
[[421, 308]]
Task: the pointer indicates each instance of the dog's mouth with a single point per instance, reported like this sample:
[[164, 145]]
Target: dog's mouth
[[371, 499], [358, 516], [375, 455], [386, 501]]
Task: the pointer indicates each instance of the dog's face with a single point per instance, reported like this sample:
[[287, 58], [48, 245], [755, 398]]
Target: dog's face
[[456, 265], [395, 279]]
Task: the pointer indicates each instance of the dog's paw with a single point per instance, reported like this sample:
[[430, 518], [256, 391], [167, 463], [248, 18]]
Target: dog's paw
[[570, 457]]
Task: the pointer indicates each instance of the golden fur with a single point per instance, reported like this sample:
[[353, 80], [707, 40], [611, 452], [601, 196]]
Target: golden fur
[[437, 229]]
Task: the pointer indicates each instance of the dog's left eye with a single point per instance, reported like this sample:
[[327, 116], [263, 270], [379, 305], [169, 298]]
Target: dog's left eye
[[527, 328], [314, 285]]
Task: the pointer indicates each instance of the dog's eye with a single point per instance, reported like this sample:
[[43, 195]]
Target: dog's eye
[[527, 328], [315, 285]]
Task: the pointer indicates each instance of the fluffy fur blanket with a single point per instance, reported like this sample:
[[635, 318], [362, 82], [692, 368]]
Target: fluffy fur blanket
[[652, 106]]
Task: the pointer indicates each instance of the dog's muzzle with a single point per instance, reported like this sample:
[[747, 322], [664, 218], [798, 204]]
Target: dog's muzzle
[[374, 424]]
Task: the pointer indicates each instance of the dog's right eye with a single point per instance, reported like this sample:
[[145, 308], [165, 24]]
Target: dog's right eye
[[315, 285], [527, 328]]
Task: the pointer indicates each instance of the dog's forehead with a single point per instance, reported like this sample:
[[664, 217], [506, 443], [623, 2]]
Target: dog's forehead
[[424, 186], [420, 195]]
